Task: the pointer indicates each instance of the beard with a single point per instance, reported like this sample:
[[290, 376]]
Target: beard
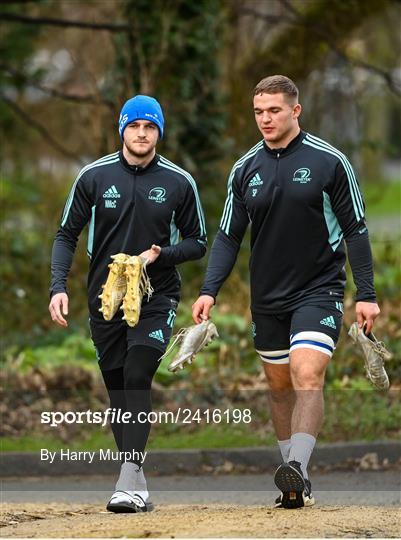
[[137, 151]]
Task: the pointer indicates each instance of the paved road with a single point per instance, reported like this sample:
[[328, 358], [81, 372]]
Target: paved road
[[334, 488]]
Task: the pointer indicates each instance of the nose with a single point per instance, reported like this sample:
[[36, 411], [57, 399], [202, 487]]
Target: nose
[[142, 132], [265, 117]]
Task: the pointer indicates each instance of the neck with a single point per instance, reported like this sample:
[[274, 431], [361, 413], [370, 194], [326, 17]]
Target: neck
[[285, 141], [140, 161]]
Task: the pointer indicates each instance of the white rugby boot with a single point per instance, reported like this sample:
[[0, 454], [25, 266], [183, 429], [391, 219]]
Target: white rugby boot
[[375, 354]]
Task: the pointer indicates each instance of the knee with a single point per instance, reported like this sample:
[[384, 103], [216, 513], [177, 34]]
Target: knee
[[278, 380], [136, 380], [140, 366], [307, 377]]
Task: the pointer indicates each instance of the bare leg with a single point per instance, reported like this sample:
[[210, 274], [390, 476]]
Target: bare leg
[[308, 368], [281, 398]]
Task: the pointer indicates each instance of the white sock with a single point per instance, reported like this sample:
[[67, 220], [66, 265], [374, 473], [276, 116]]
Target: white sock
[[302, 445], [132, 480], [285, 447]]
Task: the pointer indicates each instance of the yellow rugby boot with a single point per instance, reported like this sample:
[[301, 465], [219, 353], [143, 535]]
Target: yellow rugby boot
[[138, 284], [115, 287]]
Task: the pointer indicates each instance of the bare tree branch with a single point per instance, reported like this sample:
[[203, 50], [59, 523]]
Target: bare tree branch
[[40, 129], [386, 75], [110, 27], [298, 19], [91, 99], [290, 8], [274, 19]]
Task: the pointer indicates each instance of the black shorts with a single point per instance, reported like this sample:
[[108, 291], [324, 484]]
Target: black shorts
[[112, 340], [273, 332]]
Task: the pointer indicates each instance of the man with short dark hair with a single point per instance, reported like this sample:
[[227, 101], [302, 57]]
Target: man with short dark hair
[[138, 204], [302, 198]]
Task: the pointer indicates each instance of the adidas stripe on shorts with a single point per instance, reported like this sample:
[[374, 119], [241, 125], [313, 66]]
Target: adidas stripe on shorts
[[112, 339], [312, 327]]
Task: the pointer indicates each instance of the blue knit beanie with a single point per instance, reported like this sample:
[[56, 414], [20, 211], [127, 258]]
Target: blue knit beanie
[[141, 108]]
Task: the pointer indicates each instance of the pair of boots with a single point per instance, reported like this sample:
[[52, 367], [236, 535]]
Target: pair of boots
[[127, 282]]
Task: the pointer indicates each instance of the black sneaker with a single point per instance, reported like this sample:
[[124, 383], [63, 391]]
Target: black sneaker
[[309, 499], [296, 491]]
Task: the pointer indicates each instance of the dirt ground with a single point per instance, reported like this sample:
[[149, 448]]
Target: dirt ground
[[218, 521]]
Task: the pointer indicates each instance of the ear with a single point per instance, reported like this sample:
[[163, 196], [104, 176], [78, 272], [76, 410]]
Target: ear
[[297, 110]]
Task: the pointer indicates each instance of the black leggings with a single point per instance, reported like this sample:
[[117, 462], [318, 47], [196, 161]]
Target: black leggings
[[129, 389]]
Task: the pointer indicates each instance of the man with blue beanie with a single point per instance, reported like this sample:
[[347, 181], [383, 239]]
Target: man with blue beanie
[[141, 108], [144, 217]]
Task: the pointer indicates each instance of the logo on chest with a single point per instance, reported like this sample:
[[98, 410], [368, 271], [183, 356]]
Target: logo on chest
[[255, 181], [111, 195], [302, 175], [110, 204], [157, 194]]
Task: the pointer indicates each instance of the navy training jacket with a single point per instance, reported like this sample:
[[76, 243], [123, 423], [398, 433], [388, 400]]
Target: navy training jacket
[[302, 202], [128, 209]]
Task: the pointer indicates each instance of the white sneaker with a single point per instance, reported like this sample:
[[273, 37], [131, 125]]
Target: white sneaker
[[375, 354], [128, 501], [131, 492]]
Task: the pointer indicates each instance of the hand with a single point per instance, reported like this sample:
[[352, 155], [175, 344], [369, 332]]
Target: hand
[[151, 254], [201, 308], [58, 301], [366, 313]]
